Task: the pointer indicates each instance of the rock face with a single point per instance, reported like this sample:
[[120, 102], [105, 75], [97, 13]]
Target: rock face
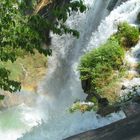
[[132, 107], [126, 129], [112, 5], [16, 99], [29, 71], [104, 111], [86, 85]]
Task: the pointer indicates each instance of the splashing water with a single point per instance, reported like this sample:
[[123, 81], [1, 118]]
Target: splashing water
[[17, 120], [49, 115]]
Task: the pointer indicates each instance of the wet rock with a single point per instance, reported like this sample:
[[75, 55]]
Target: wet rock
[[86, 85], [138, 91], [123, 87], [89, 97], [136, 99], [138, 17], [131, 109], [104, 111], [112, 5], [103, 102]]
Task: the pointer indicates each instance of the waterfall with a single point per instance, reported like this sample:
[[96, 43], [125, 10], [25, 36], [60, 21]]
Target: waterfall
[[49, 118]]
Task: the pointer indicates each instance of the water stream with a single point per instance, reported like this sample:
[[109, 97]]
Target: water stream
[[48, 118]]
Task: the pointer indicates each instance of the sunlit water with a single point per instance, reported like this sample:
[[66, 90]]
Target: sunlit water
[[49, 117]]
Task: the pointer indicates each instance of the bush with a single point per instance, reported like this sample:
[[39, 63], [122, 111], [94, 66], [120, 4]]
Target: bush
[[23, 30], [100, 64], [127, 35], [102, 67]]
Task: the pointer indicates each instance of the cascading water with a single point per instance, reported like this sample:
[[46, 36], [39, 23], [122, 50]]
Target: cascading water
[[62, 85]]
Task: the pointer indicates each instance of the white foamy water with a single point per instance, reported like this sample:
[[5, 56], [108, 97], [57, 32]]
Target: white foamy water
[[62, 86], [17, 120]]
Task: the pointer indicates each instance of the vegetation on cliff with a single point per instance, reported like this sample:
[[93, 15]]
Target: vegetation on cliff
[[127, 35], [100, 64], [102, 67]]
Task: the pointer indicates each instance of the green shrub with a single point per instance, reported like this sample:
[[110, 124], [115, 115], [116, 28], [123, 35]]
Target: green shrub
[[109, 54], [100, 64], [101, 68], [23, 29], [101, 76], [127, 35]]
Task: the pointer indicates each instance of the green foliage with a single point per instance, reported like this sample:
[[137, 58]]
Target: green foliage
[[100, 64], [102, 67], [56, 23], [107, 53], [16, 32], [127, 35], [2, 97], [27, 6], [6, 83], [22, 32], [15, 36], [62, 13]]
